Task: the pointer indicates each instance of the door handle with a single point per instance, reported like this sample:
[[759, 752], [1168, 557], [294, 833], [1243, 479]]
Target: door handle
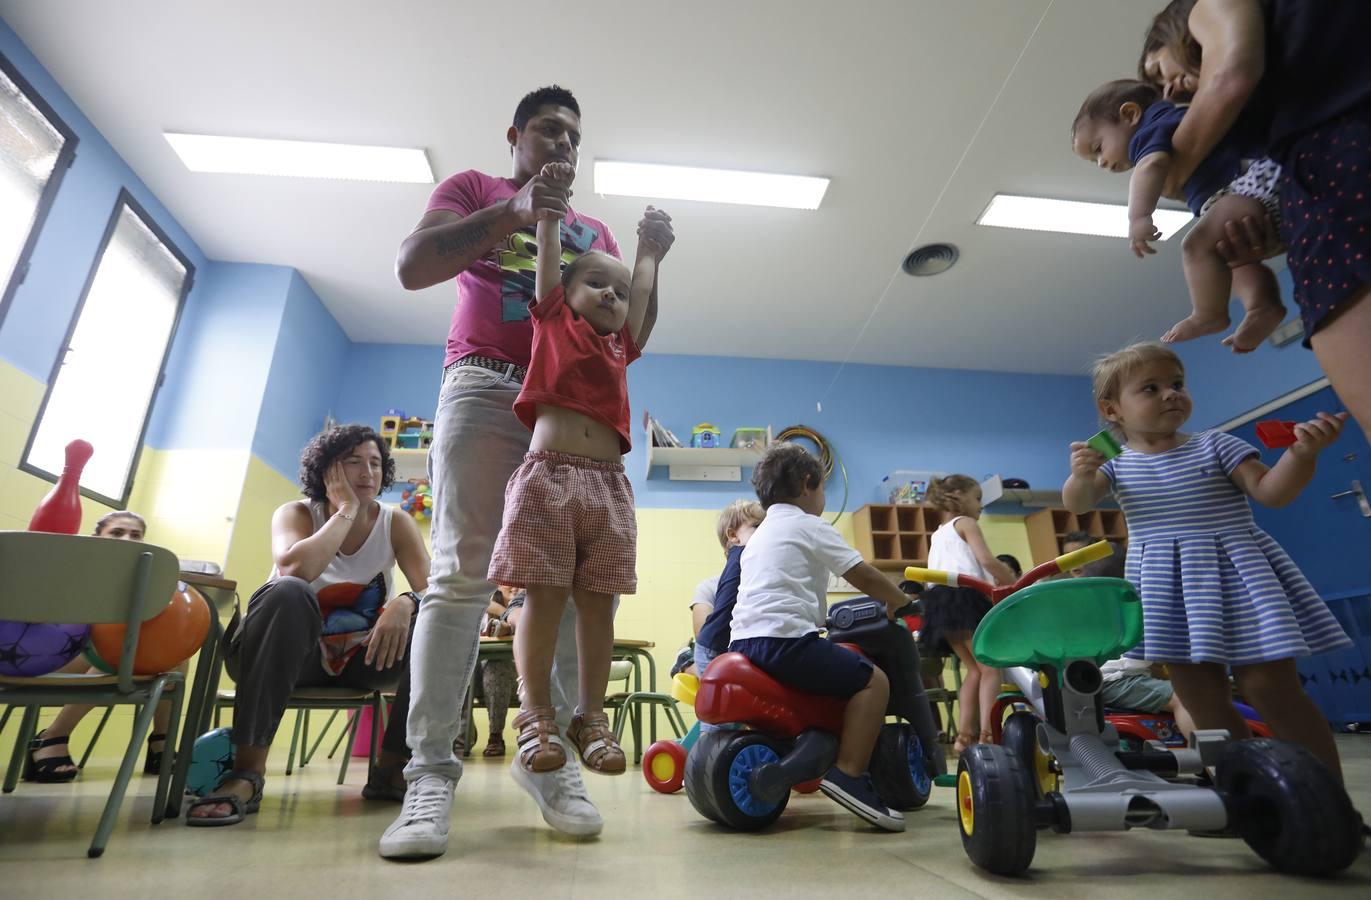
[[1356, 491]]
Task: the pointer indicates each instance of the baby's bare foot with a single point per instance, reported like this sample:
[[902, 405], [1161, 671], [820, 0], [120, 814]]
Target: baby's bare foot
[[1255, 327], [1191, 327]]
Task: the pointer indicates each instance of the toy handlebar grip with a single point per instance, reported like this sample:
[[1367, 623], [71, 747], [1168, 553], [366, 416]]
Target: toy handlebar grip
[[1077, 558], [929, 576]]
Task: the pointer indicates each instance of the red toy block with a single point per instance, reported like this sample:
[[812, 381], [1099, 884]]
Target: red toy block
[[1274, 434]]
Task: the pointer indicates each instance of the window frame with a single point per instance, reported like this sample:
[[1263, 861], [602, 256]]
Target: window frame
[[65, 157], [124, 199]]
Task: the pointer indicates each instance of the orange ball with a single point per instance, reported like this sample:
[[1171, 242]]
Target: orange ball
[[164, 641]]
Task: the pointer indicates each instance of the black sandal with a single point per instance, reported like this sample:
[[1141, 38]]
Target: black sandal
[[44, 771], [240, 811], [152, 763]]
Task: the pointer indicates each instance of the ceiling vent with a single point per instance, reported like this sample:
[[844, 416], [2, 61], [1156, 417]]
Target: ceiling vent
[[930, 259]]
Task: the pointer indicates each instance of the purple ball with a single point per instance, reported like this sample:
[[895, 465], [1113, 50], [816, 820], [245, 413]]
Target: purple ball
[[29, 649]]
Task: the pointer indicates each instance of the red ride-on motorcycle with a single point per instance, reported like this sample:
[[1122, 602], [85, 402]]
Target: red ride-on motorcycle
[[741, 776]]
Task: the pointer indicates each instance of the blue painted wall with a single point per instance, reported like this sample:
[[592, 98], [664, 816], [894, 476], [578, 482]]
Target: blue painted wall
[[217, 371], [879, 418], [1226, 385], [309, 354], [41, 310], [378, 377]]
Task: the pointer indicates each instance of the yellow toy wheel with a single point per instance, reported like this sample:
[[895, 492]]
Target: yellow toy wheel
[[995, 809]]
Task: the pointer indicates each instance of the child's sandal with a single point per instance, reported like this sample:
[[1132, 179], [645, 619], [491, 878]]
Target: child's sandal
[[592, 737], [964, 740], [540, 745]]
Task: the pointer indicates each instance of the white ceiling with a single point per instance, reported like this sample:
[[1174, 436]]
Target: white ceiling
[[883, 96]]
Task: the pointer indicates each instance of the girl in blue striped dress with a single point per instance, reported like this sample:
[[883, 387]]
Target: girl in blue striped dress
[[1216, 590]]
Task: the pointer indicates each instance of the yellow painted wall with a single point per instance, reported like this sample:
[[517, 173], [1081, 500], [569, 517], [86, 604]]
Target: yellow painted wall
[[20, 492]]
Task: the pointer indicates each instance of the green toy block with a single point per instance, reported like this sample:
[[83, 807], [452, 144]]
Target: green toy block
[[1106, 444]]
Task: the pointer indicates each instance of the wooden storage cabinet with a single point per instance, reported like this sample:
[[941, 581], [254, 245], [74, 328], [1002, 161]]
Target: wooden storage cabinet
[[1048, 527], [892, 537]]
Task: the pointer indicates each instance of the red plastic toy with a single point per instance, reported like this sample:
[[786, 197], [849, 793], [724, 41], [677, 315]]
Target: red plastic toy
[[60, 511], [734, 690], [1274, 434]]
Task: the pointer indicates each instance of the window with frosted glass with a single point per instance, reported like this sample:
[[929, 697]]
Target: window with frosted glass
[[110, 366], [35, 149]]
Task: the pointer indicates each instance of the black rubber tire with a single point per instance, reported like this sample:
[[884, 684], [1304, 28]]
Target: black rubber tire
[[711, 781], [1020, 738], [696, 777], [1288, 807], [891, 772], [1003, 838]]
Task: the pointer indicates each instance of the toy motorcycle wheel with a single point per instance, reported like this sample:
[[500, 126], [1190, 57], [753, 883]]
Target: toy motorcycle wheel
[[994, 809], [1020, 738], [1288, 807], [664, 767], [719, 783], [899, 770]]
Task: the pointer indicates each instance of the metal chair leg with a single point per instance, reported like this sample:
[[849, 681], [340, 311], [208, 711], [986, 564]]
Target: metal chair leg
[[320, 739], [6, 717], [28, 724], [375, 733], [342, 735], [294, 741], [164, 772], [95, 738], [141, 726], [352, 740]]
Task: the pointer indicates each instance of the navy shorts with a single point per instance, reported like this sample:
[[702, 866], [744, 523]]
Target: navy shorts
[[810, 664]]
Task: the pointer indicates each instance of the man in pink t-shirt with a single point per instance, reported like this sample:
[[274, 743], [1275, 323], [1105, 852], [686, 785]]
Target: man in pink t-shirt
[[481, 230]]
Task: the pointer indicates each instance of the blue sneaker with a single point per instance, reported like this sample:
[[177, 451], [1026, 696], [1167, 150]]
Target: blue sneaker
[[859, 796]]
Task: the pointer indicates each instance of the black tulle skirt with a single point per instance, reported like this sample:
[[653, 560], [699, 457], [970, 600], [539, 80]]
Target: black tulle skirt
[[948, 610]]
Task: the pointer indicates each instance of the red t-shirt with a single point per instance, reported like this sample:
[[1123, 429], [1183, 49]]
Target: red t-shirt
[[577, 369], [494, 293]]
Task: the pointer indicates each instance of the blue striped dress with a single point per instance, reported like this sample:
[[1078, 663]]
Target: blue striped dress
[[1214, 586]]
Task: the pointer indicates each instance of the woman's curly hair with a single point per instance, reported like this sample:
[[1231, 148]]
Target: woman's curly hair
[[327, 447]]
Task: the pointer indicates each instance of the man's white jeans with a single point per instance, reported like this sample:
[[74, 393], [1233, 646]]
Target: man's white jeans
[[477, 444]]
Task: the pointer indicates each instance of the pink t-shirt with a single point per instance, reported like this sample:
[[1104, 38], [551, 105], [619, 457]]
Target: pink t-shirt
[[494, 294]]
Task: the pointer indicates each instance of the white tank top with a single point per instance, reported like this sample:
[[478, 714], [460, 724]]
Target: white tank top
[[948, 552], [347, 575]]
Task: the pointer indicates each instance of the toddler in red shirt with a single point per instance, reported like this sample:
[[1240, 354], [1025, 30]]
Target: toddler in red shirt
[[569, 525]]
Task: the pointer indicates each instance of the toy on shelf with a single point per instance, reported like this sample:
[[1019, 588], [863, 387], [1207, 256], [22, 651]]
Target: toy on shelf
[[1106, 444], [403, 432], [905, 486], [1274, 434], [704, 435], [1069, 771], [417, 500], [749, 439]]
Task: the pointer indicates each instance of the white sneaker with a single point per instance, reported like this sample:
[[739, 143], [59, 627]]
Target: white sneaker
[[420, 831], [561, 795]]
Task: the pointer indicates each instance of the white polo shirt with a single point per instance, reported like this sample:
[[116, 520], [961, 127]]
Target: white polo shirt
[[784, 586]]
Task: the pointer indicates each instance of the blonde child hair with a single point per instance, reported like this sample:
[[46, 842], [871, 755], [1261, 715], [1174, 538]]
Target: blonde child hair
[[948, 493], [1110, 370], [737, 514]]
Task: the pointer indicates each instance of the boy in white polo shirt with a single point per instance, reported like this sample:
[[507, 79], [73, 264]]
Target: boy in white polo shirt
[[782, 605]]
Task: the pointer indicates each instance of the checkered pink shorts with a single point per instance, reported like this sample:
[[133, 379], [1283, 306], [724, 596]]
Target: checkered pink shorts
[[569, 522]]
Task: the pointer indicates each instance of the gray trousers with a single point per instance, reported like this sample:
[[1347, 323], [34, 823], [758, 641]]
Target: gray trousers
[[477, 444], [274, 649]]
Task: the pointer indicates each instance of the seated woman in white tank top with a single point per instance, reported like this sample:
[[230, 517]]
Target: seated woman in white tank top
[[328, 615]]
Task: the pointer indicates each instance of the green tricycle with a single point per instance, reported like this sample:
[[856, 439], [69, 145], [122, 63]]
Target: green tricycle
[[1069, 773]]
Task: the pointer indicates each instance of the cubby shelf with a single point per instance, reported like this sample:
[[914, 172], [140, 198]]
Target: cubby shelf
[[895, 536], [1048, 527]]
